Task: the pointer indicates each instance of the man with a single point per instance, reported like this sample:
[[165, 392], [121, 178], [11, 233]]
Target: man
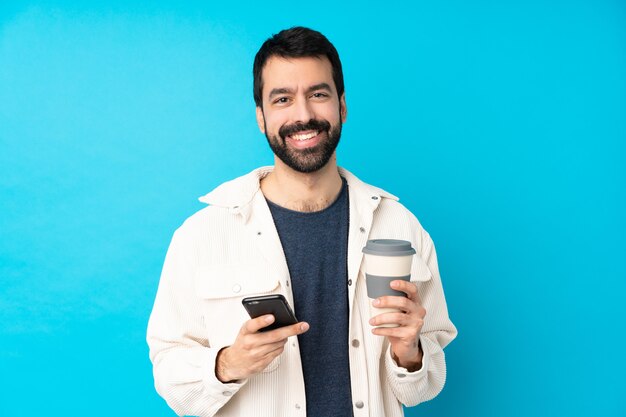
[[297, 229]]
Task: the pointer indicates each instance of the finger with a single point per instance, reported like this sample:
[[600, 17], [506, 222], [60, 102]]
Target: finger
[[270, 356], [389, 318], [392, 301], [286, 331], [254, 325], [277, 350], [402, 332], [406, 287], [407, 329], [261, 362], [262, 349], [257, 344]]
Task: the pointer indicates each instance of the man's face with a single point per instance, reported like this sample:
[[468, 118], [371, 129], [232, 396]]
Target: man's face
[[301, 114]]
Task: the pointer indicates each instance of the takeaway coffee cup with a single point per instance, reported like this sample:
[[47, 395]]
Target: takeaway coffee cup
[[386, 260]]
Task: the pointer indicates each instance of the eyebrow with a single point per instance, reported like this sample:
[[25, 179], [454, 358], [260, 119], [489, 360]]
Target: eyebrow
[[320, 86]]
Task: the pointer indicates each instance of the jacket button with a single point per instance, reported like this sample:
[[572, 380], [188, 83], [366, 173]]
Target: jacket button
[[349, 282], [297, 406], [401, 375], [374, 198], [355, 343], [362, 229], [236, 288], [227, 393], [359, 404]]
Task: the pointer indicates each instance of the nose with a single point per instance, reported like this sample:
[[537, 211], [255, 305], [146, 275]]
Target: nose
[[302, 112]]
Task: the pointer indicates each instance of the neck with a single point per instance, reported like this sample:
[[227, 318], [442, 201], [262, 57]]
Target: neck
[[302, 192]]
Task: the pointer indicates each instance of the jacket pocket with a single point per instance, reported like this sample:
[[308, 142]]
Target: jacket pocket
[[221, 289]]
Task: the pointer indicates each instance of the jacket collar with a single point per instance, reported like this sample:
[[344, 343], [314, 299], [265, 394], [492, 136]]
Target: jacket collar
[[238, 193]]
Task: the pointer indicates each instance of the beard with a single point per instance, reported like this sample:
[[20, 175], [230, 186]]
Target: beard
[[310, 159]]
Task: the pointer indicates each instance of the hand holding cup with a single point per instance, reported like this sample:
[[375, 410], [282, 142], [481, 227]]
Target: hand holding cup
[[396, 309], [403, 325]]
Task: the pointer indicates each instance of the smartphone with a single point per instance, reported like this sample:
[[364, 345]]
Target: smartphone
[[274, 304]]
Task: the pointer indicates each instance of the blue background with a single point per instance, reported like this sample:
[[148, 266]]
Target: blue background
[[500, 124]]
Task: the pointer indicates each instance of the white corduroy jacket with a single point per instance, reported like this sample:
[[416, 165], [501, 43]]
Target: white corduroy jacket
[[231, 250]]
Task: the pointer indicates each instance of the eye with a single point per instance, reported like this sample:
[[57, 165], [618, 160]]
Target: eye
[[281, 100], [320, 95]]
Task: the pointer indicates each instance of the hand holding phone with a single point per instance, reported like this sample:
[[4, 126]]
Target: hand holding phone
[[254, 349]]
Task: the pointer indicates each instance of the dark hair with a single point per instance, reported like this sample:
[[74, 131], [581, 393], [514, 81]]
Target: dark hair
[[297, 42]]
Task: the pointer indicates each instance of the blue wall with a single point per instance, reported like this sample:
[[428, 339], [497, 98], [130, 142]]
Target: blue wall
[[500, 124]]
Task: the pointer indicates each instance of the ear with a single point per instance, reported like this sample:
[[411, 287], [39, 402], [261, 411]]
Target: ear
[[260, 119], [344, 109]]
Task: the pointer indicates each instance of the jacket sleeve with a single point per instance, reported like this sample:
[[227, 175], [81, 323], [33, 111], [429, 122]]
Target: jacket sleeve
[[412, 388], [182, 358]]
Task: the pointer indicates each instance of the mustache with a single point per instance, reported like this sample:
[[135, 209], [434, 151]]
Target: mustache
[[313, 124]]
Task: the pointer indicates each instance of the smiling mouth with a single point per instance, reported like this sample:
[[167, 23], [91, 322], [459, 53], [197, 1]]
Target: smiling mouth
[[300, 137], [307, 139]]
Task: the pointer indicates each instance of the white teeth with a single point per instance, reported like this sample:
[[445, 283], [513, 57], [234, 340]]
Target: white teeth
[[304, 137]]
